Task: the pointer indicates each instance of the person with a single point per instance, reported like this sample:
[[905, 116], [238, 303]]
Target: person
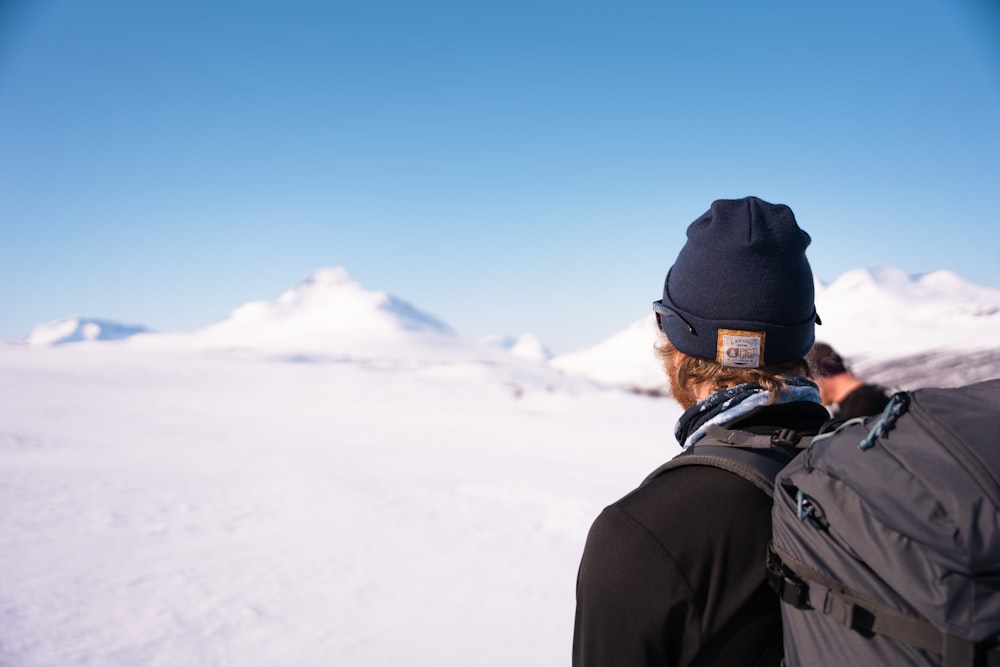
[[674, 572], [845, 395]]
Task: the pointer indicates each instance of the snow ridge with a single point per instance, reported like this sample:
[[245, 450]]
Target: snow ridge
[[876, 315], [80, 329], [526, 346], [328, 313]]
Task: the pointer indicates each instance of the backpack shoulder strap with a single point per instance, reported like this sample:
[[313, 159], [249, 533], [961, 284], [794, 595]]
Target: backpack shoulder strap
[[755, 457]]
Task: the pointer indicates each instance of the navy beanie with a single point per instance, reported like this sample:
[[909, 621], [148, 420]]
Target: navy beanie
[[741, 291]]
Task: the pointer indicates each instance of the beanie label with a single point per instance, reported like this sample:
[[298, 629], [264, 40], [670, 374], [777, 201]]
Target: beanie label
[[744, 349]]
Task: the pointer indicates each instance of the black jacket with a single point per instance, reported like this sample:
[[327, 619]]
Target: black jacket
[[868, 399], [673, 573]]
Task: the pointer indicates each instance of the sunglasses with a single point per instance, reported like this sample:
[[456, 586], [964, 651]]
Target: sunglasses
[[663, 310]]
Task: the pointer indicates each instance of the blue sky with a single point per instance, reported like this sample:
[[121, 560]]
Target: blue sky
[[506, 166]]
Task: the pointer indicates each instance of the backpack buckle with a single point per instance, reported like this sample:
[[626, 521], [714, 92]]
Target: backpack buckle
[[795, 593], [786, 437], [786, 584]]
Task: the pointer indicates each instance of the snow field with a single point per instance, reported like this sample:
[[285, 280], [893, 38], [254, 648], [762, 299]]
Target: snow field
[[173, 509]]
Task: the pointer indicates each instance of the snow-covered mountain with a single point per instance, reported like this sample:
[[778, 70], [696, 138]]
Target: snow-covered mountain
[[527, 346], [328, 313], [326, 316], [907, 331], [884, 312], [901, 330], [78, 329], [329, 316], [625, 359]]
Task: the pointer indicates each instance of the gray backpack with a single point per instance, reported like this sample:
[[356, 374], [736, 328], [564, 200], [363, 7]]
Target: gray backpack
[[886, 536]]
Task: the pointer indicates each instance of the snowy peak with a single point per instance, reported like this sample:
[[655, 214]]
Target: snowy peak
[[79, 329], [530, 346], [330, 299], [627, 358], [873, 277], [970, 299], [328, 312], [889, 283], [884, 312], [527, 346]]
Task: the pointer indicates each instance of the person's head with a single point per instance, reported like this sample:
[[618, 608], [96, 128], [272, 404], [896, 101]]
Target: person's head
[[738, 302], [825, 362], [832, 374]]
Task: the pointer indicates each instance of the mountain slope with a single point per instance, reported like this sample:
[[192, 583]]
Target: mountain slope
[[331, 314], [625, 359], [882, 312]]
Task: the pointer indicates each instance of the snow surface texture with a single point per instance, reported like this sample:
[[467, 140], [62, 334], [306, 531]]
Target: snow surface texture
[[176, 508], [336, 478]]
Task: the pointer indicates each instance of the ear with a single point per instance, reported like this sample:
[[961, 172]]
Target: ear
[[678, 358]]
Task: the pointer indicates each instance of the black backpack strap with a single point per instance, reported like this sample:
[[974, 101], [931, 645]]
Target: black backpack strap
[[784, 438], [755, 457], [803, 587]]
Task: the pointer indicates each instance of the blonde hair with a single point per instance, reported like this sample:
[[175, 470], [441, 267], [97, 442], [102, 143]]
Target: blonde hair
[[693, 371]]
